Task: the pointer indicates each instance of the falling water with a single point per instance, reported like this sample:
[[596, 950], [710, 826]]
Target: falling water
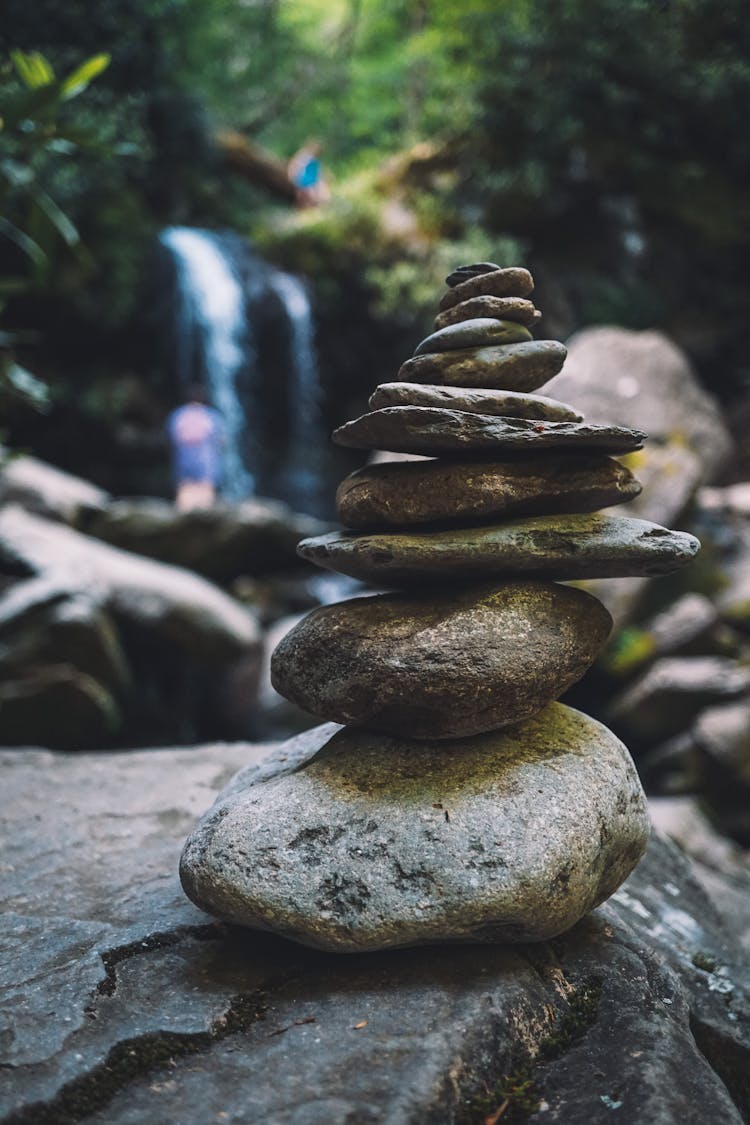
[[213, 339], [306, 436]]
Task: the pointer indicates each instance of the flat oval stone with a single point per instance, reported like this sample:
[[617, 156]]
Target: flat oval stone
[[378, 842], [499, 308], [513, 367], [482, 331], [460, 273], [402, 494], [561, 547], [428, 430], [441, 666], [512, 282], [508, 404]]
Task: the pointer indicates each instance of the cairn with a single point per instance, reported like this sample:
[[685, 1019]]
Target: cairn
[[459, 801]]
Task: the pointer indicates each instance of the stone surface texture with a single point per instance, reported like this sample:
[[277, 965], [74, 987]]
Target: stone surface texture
[[129, 1005], [254, 537], [509, 404], [561, 547], [441, 666], [479, 332], [379, 843], [49, 491], [423, 429], [512, 282], [514, 367], [642, 379], [409, 494], [499, 308], [170, 601]]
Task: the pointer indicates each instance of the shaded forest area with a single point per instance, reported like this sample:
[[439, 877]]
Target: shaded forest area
[[601, 144]]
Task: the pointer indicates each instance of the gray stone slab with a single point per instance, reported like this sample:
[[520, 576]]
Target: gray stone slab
[[561, 547], [431, 430], [509, 404], [479, 332], [192, 1022]]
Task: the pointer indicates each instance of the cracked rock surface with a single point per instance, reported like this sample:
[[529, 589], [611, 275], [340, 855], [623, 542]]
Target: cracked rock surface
[[124, 1003]]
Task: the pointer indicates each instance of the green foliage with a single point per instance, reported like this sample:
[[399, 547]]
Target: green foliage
[[34, 136]]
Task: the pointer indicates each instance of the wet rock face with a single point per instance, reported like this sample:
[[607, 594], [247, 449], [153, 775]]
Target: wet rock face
[[377, 843], [441, 666]]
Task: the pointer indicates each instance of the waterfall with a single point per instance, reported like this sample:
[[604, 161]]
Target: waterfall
[[302, 474], [244, 329], [212, 338]]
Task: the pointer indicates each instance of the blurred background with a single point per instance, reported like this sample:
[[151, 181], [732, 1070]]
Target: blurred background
[[264, 197]]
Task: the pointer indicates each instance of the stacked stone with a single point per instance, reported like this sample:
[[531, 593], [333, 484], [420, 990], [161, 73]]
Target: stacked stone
[[459, 802]]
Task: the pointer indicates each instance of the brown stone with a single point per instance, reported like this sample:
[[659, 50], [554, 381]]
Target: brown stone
[[422, 492], [495, 283], [512, 367], [508, 404], [441, 666], [499, 308]]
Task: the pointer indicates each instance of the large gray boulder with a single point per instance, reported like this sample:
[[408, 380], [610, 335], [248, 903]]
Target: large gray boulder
[[166, 600], [643, 380], [668, 695], [63, 669], [256, 537], [123, 1003], [48, 491], [379, 842]]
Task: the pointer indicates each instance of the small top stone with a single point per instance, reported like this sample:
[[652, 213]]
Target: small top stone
[[463, 273], [499, 283]]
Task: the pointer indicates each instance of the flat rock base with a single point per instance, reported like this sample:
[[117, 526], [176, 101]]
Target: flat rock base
[[123, 1004]]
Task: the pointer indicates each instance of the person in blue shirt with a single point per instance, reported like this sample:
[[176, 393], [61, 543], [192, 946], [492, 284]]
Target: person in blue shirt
[[196, 433], [306, 174]]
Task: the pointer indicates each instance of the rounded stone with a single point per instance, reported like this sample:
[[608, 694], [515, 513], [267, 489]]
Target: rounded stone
[[377, 842], [428, 430], [512, 282], [420, 492], [481, 332], [442, 665], [560, 547], [499, 308], [513, 367], [508, 404]]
